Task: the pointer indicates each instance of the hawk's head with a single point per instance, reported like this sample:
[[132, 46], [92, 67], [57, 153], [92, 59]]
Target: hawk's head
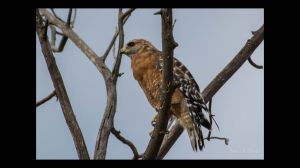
[[137, 46]]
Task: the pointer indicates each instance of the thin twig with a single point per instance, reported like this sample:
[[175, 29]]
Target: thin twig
[[174, 24], [118, 135], [112, 42], [74, 18], [69, 17], [56, 15], [114, 48], [59, 33], [226, 140], [211, 116], [52, 94], [157, 13], [254, 64]]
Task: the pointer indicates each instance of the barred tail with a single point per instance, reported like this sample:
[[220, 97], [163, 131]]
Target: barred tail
[[196, 138], [194, 131]]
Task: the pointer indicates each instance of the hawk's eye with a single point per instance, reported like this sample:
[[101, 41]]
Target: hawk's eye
[[130, 44]]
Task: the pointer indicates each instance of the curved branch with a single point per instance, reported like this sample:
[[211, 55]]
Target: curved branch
[[117, 134], [46, 98], [168, 46], [254, 64], [60, 90], [216, 84]]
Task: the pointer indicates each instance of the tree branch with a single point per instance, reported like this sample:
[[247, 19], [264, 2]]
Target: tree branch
[[109, 78], [117, 134], [92, 56], [61, 92], [108, 117], [45, 99], [168, 45], [226, 140], [64, 39], [216, 84]]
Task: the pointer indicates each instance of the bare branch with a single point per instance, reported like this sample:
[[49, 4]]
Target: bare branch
[[60, 89], [92, 56], [254, 64], [52, 94], [216, 84], [233, 65], [168, 46], [110, 110], [157, 13], [114, 48], [117, 134]]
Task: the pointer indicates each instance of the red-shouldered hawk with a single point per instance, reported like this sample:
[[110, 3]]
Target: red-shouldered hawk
[[186, 103]]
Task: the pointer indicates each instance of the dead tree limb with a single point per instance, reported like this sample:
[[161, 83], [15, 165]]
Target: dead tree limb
[[60, 90], [168, 46], [216, 84], [110, 77], [110, 110]]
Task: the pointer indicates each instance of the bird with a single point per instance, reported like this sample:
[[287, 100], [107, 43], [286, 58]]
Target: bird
[[186, 101]]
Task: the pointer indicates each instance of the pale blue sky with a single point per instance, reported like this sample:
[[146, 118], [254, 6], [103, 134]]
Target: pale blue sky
[[208, 39]]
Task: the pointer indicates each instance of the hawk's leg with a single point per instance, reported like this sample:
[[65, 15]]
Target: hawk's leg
[[154, 120], [153, 123]]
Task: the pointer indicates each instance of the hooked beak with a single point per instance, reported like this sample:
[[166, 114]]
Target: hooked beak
[[123, 50]]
